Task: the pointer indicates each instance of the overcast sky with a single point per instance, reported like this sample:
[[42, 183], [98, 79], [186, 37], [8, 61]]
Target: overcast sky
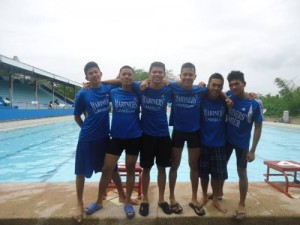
[[258, 37]]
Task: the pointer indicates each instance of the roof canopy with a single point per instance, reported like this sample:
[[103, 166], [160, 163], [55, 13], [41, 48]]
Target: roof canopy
[[31, 70]]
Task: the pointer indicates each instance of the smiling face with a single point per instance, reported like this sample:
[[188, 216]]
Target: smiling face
[[157, 75], [215, 87], [93, 75], [187, 77]]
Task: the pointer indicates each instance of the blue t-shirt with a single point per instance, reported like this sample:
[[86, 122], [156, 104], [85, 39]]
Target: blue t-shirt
[[186, 107], [240, 120], [94, 103], [213, 122], [125, 116], [154, 110]]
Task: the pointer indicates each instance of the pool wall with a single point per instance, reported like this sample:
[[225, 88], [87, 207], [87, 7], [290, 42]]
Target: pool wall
[[22, 114]]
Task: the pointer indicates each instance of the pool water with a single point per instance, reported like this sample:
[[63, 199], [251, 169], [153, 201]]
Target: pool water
[[46, 153]]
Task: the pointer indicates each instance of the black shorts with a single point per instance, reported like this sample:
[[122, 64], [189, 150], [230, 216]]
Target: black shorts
[[213, 161], [241, 155], [132, 146], [192, 139], [158, 148]]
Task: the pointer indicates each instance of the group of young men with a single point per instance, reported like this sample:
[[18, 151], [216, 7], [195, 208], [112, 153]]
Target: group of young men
[[211, 122]]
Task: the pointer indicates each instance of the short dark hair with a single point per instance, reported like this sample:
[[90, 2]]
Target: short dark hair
[[126, 67], [157, 64], [236, 75], [216, 76], [90, 65], [188, 65]]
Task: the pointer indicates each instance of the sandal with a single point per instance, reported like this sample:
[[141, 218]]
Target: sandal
[[144, 209], [165, 207], [176, 208], [129, 211], [198, 209], [92, 208]]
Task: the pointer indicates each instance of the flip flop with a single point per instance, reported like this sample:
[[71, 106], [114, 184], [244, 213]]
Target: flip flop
[[92, 208], [198, 209], [165, 207], [129, 211], [176, 208], [239, 215], [144, 209]]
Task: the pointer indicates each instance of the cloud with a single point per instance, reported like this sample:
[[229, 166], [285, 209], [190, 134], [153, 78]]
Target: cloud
[[259, 38]]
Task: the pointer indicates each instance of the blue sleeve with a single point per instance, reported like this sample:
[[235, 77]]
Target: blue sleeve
[[228, 93], [79, 107], [136, 86], [258, 115], [203, 89], [110, 86], [173, 84]]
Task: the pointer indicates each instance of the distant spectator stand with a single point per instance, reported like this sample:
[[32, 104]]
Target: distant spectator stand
[[7, 101], [286, 169], [50, 105]]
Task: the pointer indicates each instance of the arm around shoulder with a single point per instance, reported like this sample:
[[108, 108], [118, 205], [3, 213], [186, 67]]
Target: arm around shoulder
[[116, 82]]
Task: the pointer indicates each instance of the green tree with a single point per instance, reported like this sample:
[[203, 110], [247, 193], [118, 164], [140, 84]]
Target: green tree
[[140, 74], [287, 99], [67, 91], [170, 75], [286, 87], [273, 104]]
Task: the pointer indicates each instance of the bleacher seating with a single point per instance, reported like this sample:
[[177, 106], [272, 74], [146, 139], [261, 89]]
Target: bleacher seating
[[24, 95], [46, 88]]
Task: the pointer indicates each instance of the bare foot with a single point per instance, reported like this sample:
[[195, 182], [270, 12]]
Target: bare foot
[[132, 201], [203, 201], [210, 196], [78, 215], [219, 206]]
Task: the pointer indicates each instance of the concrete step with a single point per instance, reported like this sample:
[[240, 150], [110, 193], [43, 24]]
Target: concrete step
[[54, 203]]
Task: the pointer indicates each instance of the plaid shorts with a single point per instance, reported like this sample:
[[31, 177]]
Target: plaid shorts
[[213, 161]]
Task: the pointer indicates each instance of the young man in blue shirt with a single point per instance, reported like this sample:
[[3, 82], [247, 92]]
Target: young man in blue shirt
[[185, 118], [94, 134], [156, 142], [213, 140], [126, 134], [241, 117]]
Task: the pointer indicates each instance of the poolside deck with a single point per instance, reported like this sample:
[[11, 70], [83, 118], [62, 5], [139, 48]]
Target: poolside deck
[[54, 203]]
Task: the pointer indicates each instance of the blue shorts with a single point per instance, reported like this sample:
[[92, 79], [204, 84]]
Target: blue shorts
[[241, 155], [213, 161], [90, 156]]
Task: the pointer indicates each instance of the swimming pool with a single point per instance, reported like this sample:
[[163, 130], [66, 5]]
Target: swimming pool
[[46, 153]]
